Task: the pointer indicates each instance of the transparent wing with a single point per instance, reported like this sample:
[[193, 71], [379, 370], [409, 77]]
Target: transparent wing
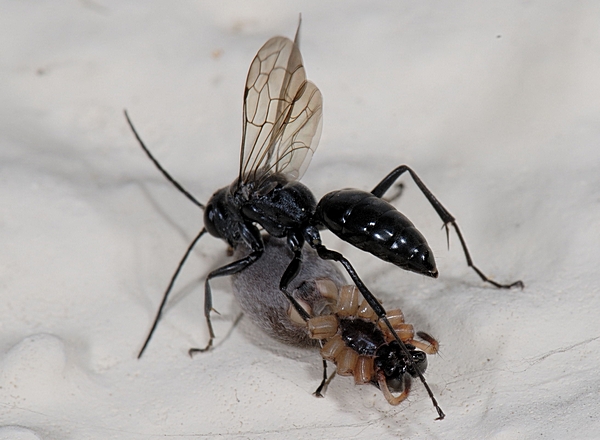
[[282, 114]]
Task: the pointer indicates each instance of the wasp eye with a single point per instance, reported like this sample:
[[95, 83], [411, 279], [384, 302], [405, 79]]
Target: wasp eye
[[210, 218]]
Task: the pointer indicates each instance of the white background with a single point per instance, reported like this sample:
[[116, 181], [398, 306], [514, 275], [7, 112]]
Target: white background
[[496, 106]]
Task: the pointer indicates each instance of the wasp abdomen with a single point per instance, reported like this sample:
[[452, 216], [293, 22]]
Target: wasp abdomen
[[375, 226]]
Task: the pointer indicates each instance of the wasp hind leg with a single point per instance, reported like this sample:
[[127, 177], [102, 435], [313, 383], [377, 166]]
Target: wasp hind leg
[[446, 217]]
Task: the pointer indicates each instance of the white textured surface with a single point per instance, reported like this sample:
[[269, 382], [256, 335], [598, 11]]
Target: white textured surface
[[498, 109]]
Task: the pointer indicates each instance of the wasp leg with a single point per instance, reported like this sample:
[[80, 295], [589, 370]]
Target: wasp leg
[[251, 235], [291, 272], [446, 217], [322, 385], [168, 291], [230, 269], [399, 189], [319, 392]]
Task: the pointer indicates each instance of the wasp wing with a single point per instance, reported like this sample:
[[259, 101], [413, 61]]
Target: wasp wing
[[282, 114]]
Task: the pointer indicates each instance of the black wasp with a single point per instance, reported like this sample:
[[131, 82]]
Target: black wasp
[[282, 114]]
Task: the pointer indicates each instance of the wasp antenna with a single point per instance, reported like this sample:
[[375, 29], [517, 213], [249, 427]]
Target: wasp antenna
[[159, 166], [169, 288]]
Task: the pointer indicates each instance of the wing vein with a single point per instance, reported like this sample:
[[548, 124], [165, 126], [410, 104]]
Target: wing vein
[[282, 114]]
